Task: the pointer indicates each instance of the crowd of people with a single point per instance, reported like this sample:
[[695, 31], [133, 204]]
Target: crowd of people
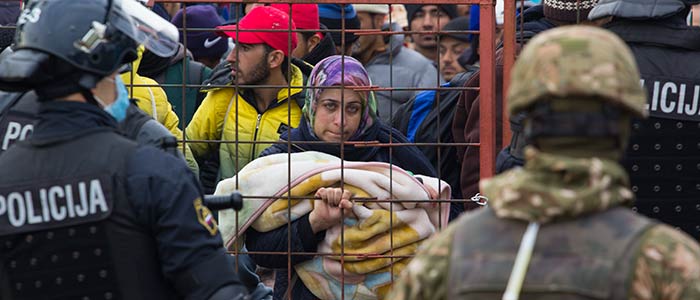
[[117, 117]]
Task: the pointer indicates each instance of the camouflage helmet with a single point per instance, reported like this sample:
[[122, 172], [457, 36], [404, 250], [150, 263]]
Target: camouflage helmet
[[579, 61]]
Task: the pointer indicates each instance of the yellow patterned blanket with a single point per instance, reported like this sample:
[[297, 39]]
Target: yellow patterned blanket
[[376, 229]]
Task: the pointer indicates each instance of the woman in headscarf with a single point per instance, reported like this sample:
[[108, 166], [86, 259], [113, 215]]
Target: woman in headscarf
[[323, 121], [331, 115]]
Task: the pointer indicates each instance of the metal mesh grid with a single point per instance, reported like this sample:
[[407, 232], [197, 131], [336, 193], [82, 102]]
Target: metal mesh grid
[[488, 112], [488, 125]]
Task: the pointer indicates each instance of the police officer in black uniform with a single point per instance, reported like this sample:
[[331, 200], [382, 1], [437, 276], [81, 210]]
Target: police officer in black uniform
[[663, 157], [84, 212]]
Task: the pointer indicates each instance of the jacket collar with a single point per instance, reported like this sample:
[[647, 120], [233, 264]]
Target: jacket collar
[[58, 120]]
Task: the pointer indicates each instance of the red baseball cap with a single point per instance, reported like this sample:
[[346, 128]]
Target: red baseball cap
[[305, 16], [265, 18]]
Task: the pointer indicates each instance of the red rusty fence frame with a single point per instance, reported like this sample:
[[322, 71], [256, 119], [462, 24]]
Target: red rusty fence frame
[[487, 85], [488, 113]]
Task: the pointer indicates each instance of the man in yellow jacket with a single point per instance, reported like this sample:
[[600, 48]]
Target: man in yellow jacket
[[248, 118]]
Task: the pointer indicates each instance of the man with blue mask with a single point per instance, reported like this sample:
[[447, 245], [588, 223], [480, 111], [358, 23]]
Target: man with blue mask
[[84, 212]]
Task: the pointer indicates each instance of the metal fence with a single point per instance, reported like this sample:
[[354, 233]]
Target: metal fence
[[488, 125]]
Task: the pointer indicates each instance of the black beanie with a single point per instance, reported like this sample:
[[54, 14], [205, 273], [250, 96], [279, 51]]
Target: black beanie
[[568, 11], [449, 9], [457, 24]]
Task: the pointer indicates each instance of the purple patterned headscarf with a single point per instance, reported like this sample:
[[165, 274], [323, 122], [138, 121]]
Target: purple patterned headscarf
[[330, 72]]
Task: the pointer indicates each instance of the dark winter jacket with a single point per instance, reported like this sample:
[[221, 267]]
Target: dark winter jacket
[[466, 121], [324, 49], [427, 118]]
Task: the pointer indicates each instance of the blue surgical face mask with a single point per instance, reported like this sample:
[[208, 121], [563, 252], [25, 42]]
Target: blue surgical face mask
[[118, 108]]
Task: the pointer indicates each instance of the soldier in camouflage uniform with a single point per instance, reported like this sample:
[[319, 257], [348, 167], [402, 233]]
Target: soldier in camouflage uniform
[[579, 87]]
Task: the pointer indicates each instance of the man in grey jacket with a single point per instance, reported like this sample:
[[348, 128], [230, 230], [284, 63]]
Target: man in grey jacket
[[389, 63]]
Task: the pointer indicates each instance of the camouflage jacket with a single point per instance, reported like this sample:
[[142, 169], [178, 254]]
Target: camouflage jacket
[[552, 188]]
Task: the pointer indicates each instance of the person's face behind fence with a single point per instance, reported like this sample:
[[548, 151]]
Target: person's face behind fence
[[251, 66], [428, 18], [335, 119], [450, 50]]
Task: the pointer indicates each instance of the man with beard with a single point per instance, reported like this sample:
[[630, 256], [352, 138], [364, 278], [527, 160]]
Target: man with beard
[[235, 109]]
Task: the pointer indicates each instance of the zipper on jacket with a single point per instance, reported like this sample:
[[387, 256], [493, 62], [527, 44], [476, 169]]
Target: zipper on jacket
[[255, 137]]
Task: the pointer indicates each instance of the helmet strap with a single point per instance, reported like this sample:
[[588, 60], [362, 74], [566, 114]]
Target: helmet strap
[[89, 97]]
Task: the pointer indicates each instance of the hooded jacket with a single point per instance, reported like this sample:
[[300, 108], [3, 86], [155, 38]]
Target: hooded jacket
[[153, 101], [399, 67], [170, 72]]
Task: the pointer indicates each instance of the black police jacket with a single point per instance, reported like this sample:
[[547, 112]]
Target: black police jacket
[[84, 212], [663, 156]]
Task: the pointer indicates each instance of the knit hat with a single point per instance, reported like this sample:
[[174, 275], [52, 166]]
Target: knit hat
[[457, 24], [265, 18], [568, 11], [201, 43], [305, 16], [449, 9], [330, 15], [381, 9]]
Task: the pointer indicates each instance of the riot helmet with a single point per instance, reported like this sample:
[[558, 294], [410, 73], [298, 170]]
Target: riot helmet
[[67, 46]]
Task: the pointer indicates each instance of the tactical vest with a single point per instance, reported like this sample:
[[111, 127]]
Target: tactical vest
[[591, 257], [17, 117], [663, 155], [67, 227]]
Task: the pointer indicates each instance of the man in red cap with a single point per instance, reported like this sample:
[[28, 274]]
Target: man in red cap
[[313, 45], [235, 109]]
